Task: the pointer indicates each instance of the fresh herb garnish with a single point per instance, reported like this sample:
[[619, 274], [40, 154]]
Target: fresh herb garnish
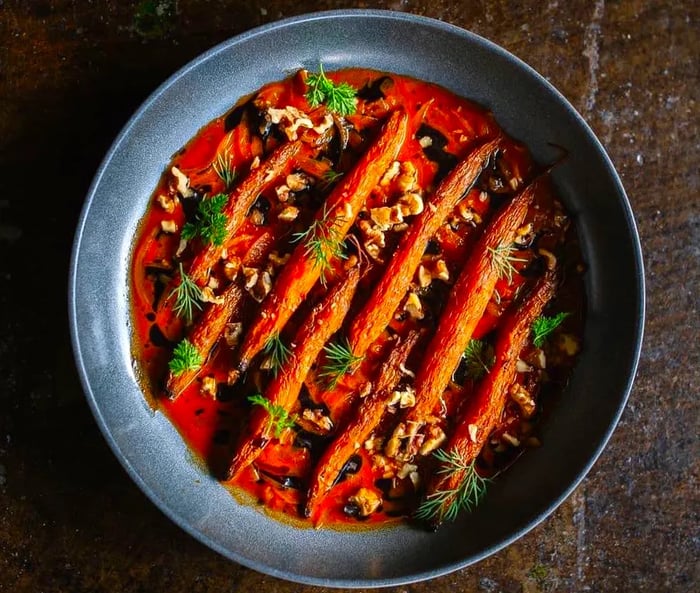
[[445, 505], [329, 178], [340, 98], [187, 296], [210, 222], [323, 242], [339, 361], [186, 357], [224, 169], [543, 326], [503, 260], [278, 418], [478, 358], [277, 352]]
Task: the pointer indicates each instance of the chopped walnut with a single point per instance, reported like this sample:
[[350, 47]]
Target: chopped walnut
[[410, 204], [406, 470], [290, 119], [231, 267], [413, 306], [208, 386], [373, 443], [208, 296], [315, 421], [168, 226], [434, 437], [278, 260], [297, 181], [251, 277], [167, 203], [289, 213], [568, 344], [324, 125], [381, 217], [425, 141], [550, 257], [473, 430], [404, 398], [522, 397], [283, 193], [524, 235], [390, 174], [367, 501], [510, 439], [182, 183], [257, 217], [408, 178]]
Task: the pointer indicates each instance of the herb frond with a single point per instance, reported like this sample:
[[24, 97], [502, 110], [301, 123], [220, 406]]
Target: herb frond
[[224, 168], [187, 296], [445, 505], [278, 418], [478, 358], [339, 361], [329, 178], [543, 326], [340, 98], [323, 242], [185, 357], [503, 260], [210, 222], [277, 352]]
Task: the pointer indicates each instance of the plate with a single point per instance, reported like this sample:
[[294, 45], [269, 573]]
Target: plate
[[529, 109]]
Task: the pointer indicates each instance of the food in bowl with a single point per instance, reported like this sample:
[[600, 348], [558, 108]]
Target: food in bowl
[[351, 294]]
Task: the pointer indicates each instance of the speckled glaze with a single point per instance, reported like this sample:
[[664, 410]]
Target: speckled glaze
[[529, 109]]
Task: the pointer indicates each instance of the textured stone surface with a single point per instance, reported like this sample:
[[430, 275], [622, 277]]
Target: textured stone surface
[[71, 73]]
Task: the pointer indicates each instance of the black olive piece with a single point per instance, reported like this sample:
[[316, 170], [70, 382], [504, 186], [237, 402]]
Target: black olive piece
[[375, 89], [351, 467], [292, 482], [384, 484], [157, 337], [352, 509], [262, 204], [433, 248], [315, 443], [226, 393], [190, 205], [199, 411], [235, 116], [535, 268], [446, 161]]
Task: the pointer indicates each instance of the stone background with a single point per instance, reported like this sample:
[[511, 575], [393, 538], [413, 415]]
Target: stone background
[[72, 72]]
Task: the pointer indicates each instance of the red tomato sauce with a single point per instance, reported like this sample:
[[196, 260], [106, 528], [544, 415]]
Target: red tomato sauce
[[444, 128]]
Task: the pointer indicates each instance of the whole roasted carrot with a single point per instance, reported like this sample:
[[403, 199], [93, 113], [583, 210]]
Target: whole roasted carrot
[[386, 296], [453, 487], [209, 327], [465, 306], [325, 319], [326, 233], [240, 202], [366, 419], [204, 335]]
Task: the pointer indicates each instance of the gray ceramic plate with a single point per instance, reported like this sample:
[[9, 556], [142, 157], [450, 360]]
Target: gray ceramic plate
[[530, 110]]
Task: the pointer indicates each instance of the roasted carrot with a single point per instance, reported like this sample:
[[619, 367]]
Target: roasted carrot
[[386, 296], [325, 319], [211, 324], [465, 306], [485, 408], [240, 202], [366, 419], [204, 335], [332, 223]]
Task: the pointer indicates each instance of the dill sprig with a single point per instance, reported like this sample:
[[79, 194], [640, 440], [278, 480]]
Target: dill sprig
[[224, 168], [210, 222], [445, 505], [277, 352], [185, 357], [340, 98], [329, 178], [478, 358], [278, 418], [543, 326], [323, 242], [339, 361], [187, 296], [503, 260]]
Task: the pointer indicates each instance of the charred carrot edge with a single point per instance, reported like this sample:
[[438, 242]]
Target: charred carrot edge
[[301, 272], [465, 306], [204, 335], [366, 419], [211, 324], [240, 201], [325, 319], [484, 409], [377, 312]]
